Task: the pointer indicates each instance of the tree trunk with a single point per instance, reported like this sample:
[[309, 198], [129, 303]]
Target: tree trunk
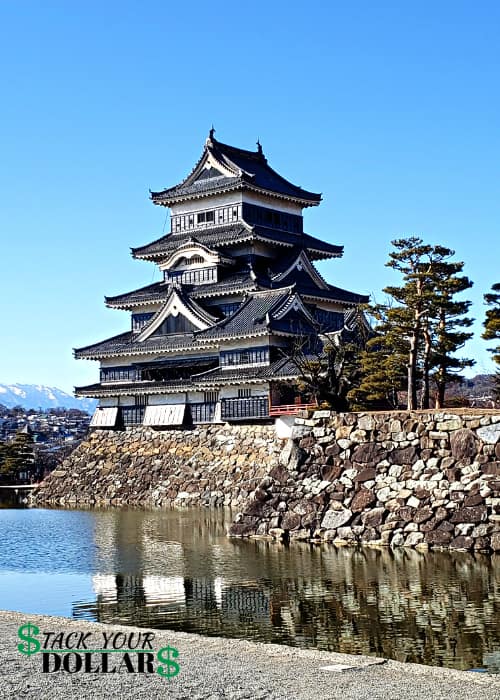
[[441, 389], [412, 368], [441, 370], [426, 363]]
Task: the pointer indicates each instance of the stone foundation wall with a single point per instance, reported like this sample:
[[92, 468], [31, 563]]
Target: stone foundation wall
[[423, 479], [214, 466]]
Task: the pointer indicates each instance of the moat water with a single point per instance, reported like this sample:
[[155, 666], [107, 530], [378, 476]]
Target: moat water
[[178, 570]]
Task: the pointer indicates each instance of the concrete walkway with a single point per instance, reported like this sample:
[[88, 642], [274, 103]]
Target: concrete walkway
[[214, 668]]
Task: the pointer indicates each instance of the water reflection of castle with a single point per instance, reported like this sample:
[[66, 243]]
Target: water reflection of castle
[[182, 597], [179, 572]]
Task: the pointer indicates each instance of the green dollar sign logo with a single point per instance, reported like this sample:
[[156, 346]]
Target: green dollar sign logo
[[32, 645], [167, 655]]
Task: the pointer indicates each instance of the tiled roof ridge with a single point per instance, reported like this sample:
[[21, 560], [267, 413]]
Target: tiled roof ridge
[[333, 288], [191, 236], [120, 336], [257, 155], [226, 319], [117, 297]]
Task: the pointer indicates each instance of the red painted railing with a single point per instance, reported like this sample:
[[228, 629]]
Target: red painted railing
[[290, 409]]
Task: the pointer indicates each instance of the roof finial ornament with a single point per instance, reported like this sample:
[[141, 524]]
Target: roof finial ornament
[[211, 132], [259, 147]]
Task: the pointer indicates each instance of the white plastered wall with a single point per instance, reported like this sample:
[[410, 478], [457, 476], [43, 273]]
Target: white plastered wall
[[231, 392], [235, 198]]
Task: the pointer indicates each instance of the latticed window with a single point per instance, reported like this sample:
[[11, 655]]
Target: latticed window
[[211, 396], [272, 218], [199, 276], [205, 217], [244, 357], [119, 374], [244, 393], [221, 215]]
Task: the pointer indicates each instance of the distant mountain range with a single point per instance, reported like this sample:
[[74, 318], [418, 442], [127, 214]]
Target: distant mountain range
[[38, 396]]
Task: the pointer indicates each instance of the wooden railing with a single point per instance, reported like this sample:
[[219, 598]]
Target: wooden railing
[[290, 409]]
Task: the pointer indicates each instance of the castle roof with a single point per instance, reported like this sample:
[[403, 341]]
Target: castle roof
[[282, 368], [261, 313], [157, 292], [224, 168], [231, 235], [238, 283], [126, 344]]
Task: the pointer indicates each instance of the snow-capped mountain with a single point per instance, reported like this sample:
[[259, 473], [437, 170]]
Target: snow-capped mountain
[[38, 396]]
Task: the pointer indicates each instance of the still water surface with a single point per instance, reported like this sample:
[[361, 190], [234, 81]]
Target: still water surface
[[178, 570]]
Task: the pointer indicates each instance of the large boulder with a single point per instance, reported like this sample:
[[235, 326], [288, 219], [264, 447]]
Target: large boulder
[[333, 519], [464, 445]]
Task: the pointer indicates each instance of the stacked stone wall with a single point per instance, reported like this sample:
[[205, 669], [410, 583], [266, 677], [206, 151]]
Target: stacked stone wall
[[423, 479], [213, 466], [418, 479]]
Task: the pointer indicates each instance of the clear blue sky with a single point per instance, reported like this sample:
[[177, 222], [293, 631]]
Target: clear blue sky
[[391, 109]]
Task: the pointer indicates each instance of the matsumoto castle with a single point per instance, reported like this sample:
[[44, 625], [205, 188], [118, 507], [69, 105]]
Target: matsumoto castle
[[210, 342]]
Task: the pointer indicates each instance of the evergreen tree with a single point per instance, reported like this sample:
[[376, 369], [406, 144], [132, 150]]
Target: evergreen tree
[[383, 362], [3, 454], [428, 321], [447, 322], [19, 456], [412, 258], [492, 326]]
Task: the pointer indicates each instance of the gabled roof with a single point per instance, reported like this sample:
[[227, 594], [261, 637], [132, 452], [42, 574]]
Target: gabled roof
[[235, 234], [177, 302], [150, 294], [224, 168], [236, 283], [309, 283], [301, 265], [192, 247], [339, 294], [261, 313]]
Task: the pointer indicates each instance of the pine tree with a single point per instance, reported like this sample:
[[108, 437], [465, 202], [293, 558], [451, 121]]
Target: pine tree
[[429, 318], [383, 362], [492, 326], [3, 455], [412, 259], [19, 456], [448, 318]]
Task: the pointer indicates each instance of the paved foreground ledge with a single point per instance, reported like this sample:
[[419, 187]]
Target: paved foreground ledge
[[213, 668]]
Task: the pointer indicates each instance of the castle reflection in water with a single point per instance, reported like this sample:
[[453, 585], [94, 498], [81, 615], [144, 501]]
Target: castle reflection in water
[[178, 570]]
